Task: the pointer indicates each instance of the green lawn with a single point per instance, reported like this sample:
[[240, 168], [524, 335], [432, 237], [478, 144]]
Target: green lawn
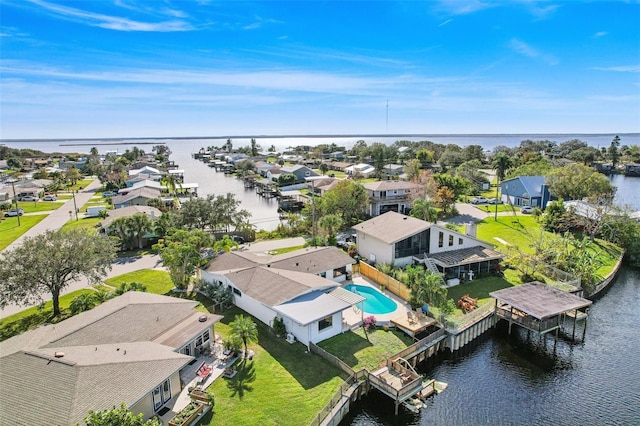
[[283, 384], [80, 184], [157, 282], [357, 352], [478, 289], [286, 249], [10, 231], [40, 206], [31, 318], [518, 231], [81, 223]]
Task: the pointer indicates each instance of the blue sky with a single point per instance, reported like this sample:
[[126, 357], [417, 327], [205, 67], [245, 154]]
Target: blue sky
[[74, 69]]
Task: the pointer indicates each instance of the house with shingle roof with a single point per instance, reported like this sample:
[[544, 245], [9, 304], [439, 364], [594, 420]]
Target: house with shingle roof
[[390, 195], [301, 287], [135, 197], [129, 349], [403, 240]]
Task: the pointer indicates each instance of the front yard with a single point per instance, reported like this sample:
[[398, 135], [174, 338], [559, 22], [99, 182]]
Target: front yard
[[10, 231]]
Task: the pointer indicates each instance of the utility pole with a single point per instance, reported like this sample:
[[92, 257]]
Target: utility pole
[[15, 199], [75, 208]]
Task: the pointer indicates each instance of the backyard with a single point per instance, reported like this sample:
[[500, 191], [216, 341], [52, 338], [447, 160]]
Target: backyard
[[358, 351]]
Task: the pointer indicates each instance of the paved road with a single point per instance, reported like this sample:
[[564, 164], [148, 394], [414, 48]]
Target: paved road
[[469, 213], [58, 217], [55, 220]]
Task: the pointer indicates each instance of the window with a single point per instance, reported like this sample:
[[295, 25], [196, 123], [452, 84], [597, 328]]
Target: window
[[205, 336], [325, 323], [460, 241], [236, 291], [323, 274], [440, 239], [450, 240]]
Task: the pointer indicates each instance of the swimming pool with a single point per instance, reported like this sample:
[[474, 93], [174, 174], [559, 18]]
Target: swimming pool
[[375, 302]]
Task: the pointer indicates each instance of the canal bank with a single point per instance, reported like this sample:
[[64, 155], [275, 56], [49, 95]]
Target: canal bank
[[508, 380]]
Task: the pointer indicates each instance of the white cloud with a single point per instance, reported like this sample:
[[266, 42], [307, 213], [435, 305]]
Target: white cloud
[[529, 51], [445, 22], [620, 68], [112, 22], [599, 34], [463, 7]]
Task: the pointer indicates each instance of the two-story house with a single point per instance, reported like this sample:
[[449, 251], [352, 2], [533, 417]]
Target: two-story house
[[390, 195]]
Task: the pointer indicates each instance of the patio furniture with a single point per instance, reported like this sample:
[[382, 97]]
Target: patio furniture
[[204, 370], [410, 317]]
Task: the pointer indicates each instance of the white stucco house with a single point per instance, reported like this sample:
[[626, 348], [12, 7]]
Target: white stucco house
[[403, 240], [301, 287]]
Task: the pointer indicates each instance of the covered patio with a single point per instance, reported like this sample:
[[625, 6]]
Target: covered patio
[[208, 366], [464, 264], [540, 308]]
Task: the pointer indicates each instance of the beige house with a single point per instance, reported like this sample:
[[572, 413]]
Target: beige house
[[129, 349]]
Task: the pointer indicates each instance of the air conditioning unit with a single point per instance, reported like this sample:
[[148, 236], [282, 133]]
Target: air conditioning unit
[[291, 338]]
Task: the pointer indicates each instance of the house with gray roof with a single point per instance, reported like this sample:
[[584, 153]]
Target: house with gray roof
[[135, 197], [129, 349], [523, 191], [390, 195], [301, 287], [403, 240]]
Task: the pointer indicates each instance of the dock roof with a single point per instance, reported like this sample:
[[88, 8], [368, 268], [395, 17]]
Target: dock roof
[[540, 300]]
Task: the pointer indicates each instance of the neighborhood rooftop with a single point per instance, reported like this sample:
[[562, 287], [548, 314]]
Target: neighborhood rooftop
[[392, 227]]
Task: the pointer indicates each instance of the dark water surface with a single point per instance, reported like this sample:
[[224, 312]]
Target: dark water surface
[[506, 381]]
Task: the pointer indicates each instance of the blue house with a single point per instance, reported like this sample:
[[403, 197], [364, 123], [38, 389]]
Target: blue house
[[526, 191]]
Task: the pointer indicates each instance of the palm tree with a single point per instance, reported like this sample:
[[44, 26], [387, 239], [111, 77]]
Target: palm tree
[[245, 329], [139, 224], [82, 303], [423, 209], [225, 244], [501, 163], [330, 224]]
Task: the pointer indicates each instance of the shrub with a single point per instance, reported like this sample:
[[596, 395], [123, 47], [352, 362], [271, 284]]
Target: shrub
[[369, 323]]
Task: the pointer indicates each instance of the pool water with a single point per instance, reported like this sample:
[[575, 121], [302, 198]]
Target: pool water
[[375, 302]]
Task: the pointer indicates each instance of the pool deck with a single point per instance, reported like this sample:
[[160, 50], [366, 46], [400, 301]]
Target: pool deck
[[352, 318]]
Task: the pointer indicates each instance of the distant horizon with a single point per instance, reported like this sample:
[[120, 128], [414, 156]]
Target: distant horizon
[[313, 136]]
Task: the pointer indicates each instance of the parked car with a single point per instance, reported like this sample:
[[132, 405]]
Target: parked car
[[109, 193], [238, 239], [494, 201], [14, 212], [28, 198], [49, 198], [478, 200], [526, 210]]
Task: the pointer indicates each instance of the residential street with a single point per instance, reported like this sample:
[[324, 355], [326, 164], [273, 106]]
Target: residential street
[[57, 218]]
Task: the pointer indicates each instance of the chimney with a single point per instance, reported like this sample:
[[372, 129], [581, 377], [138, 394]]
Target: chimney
[[470, 229]]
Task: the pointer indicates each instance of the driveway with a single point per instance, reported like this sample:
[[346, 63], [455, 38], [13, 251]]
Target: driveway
[[469, 213]]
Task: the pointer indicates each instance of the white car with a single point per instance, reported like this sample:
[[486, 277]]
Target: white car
[[526, 210], [49, 198], [478, 200], [14, 212], [109, 193], [28, 198]]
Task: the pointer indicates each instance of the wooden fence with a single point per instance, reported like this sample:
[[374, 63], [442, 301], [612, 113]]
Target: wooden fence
[[391, 284], [330, 358]]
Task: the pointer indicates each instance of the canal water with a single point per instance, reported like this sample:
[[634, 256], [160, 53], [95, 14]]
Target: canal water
[[504, 380]]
